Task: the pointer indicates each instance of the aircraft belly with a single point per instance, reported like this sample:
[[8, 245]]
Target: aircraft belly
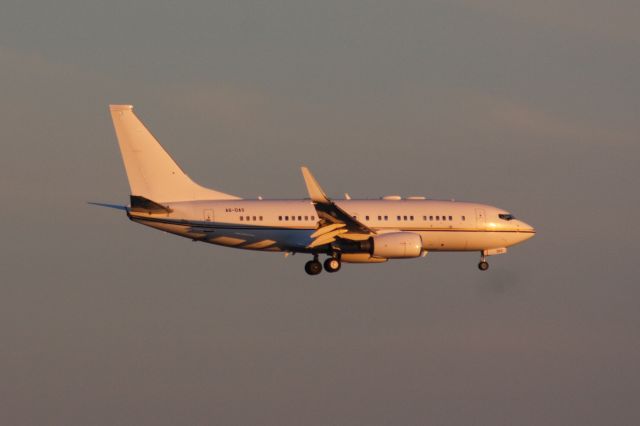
[[443, 240], [243, 238], [298, 239], [488, 240], [467, 241], [178, 229], [261, 239]]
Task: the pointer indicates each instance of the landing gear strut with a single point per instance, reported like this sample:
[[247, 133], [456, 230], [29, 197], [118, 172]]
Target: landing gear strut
[[332, 264], [313, 267], [483, 265]]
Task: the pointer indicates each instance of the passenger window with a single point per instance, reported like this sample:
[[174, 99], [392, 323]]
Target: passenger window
[[241, 218], [286, 218], [306, 218], [430, 217], [437, 217], [410, 217], [424, 218], [405, 218], [450, 217], [313, 218], [386, 218], [260, 217], [379, 217], [463, 218], [279, 217], [398, 217]]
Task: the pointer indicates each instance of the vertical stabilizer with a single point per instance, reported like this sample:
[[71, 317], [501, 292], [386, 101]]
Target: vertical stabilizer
[[152, 173]]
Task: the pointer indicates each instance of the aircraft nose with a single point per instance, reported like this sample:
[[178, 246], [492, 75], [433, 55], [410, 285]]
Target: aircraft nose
[[525, 227]]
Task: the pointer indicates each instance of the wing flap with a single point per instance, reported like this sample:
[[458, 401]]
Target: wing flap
[[326, 229], [326, 238]]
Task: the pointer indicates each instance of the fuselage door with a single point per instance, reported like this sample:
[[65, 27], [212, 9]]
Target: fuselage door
[[208, 215], [480, 218]]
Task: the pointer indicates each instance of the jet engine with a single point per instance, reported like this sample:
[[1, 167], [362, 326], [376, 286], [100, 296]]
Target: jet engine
[[394, 245]]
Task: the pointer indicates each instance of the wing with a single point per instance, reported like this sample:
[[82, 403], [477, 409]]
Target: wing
[[334, 222]]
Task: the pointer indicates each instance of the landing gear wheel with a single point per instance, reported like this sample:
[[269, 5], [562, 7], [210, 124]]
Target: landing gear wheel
[[332, 265], [313, 267], [483, 265]]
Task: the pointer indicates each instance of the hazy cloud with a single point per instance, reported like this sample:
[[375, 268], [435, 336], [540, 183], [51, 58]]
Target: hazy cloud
[[531, 107], [615, 21]]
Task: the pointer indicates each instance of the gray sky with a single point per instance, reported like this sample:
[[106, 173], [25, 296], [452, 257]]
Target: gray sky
[[530, 106]]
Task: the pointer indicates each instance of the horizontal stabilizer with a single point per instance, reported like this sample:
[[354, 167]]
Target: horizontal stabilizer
[[110, 206]]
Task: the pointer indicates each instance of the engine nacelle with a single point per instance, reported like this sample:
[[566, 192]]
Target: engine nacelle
[[396, 245]]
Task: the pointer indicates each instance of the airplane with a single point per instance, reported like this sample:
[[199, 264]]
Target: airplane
[[345, 230]]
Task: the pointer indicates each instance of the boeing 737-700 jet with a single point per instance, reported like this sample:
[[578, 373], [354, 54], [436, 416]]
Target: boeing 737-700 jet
[[348, 230]]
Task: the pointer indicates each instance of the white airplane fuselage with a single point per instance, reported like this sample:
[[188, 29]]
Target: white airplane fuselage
[[287, 225]]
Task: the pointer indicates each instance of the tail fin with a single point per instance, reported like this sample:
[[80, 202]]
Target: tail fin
[[151, 171]]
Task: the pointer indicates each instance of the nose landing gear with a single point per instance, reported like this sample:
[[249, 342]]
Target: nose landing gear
[[483, 265]]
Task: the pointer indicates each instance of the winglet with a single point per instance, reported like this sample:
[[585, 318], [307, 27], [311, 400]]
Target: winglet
[[316, 193], [330, 213]]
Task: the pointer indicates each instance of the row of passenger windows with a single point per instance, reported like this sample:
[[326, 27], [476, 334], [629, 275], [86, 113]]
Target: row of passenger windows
[[410, 218], [248, 218], [380, 218], [285, 218]]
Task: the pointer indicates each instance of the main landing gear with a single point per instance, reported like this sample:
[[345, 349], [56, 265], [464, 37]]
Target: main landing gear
[[483, 265], [332, 264], [314, 267]]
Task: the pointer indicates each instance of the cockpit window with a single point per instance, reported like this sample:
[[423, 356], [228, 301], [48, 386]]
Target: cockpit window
[[506, 216]]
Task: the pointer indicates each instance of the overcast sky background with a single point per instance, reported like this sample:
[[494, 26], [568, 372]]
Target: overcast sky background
[[530, 106]]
